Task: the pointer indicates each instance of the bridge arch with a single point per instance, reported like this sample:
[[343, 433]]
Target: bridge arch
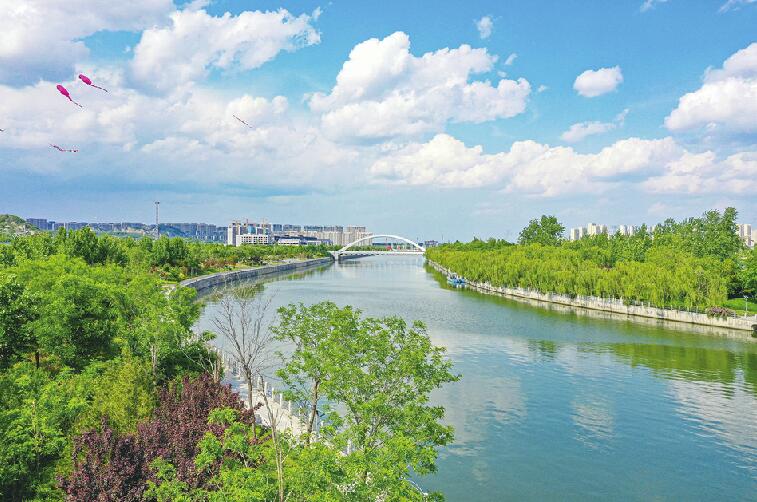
[[390, 236]]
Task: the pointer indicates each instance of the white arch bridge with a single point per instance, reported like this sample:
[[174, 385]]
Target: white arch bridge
[[346, 252]]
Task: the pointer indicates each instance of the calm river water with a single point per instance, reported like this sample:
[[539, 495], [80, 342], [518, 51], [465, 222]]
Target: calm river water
[[560, 406]]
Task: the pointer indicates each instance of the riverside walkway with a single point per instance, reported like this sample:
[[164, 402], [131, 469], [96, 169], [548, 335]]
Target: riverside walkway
[[287, 415]]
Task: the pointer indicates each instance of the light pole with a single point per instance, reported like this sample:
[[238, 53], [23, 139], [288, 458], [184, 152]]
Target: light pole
[[746, 305], [157, 219]]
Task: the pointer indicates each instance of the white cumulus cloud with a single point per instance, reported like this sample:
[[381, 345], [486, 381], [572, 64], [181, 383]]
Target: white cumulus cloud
[[176, 137], [592, 83], [42, 38], [657, 166], [726, 101], [196, 42], [385, 91], [485, 25], [581, 130], [704, 173]]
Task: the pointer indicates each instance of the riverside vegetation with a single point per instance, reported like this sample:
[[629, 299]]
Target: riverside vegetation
[[107, 394], [697, 263]]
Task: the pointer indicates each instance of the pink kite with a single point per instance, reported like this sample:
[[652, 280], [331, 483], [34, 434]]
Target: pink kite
[[63, 91], [242, 121], [63, 149], [88, 81]]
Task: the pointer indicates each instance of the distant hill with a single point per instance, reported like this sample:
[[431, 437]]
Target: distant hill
[[12, 225]]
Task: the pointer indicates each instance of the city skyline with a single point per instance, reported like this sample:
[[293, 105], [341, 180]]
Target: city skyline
[[462, 120], [219, 233]]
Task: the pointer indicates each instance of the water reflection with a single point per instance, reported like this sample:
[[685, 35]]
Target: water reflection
[[601, 408], [681, 362], [725, 411], [594, 421]]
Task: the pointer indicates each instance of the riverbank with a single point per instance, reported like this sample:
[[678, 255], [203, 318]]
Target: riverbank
[[209, 281], [740, 325]]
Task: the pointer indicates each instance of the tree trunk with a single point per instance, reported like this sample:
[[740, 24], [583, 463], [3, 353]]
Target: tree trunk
[[217, 369], [250, 405], [277, 445], [313, 410], [154, 362], [36, 359]]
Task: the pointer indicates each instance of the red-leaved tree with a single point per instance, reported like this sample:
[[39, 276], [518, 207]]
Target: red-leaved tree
[[109, 467], [181, 420]]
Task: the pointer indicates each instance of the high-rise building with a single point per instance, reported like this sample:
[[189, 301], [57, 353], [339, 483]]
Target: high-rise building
[[234, 229], [627, 229], [325, 234], [40, 223], [596, 229], [578, 233], [745, 233], [593, 229]]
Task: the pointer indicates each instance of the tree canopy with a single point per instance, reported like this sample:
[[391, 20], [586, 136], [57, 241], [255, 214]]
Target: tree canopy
[[696, 263], [546, 231]]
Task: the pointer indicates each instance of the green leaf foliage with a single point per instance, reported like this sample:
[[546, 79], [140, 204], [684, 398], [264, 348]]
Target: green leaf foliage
[[694, 264]]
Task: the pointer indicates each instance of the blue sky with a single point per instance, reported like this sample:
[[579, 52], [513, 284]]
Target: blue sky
[[454, 120]]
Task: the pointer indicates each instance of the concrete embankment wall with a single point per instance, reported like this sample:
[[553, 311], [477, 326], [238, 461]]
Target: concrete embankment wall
[[615, 306], [205, 282]]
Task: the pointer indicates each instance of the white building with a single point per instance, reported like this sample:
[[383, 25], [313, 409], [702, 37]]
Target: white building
[[233, 230], [746, 234], [627, 229], [596, 229], [577, 233], [593, 229], [242, 239], [300, 235]]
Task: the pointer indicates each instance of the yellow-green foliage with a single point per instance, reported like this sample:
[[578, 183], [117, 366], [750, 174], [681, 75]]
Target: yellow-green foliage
[[125, 394], [666, 277]]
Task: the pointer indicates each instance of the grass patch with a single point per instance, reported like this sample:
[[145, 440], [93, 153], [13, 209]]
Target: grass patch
[[737, 304]]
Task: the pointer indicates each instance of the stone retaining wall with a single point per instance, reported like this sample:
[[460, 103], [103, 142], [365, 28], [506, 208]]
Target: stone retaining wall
[[615, 306], [223, 278]]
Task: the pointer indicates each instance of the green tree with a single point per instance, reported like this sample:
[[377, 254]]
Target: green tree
[[37, 418], [18, 309], [546, 231], [312, 331], [125, 394], [384, 383], [748, 273], [81, 321], [375, 376]]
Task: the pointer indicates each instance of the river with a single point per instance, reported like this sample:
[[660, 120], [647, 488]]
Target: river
[[559, 406]]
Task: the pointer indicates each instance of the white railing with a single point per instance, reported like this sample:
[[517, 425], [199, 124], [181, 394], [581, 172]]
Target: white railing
[[288, 415]]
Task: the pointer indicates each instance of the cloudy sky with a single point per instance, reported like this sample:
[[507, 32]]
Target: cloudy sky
[[425, 120]]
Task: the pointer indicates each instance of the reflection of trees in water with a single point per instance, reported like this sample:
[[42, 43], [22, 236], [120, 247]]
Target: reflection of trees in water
[[257, 284], [690, 363], [545, 348]]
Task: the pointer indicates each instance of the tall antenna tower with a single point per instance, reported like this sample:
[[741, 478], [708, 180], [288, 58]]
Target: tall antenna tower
[[157, 218]]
